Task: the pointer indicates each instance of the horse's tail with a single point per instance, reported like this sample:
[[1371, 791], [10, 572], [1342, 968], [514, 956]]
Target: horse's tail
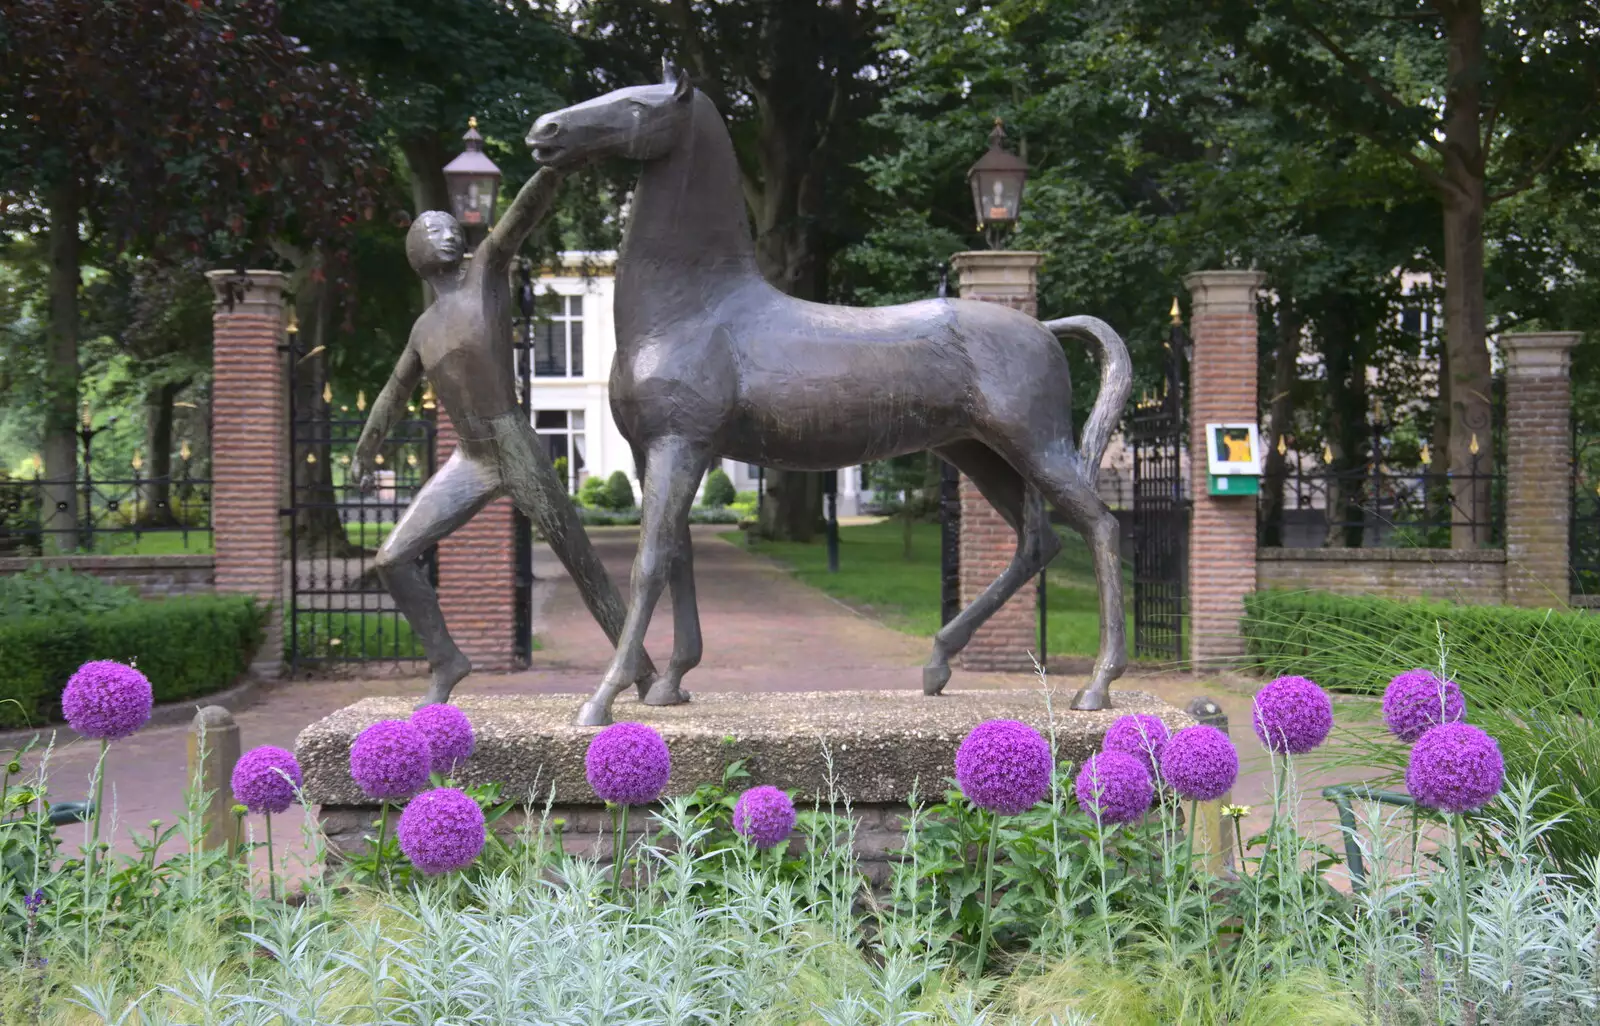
[[1116, 384]]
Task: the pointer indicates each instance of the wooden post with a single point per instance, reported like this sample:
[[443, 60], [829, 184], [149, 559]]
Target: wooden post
[[213, 752], [1213, 836]]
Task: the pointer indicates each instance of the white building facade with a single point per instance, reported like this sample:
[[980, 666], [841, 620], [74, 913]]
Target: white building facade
[[574, 343]]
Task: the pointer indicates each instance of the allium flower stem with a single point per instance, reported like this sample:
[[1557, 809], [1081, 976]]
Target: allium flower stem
[[1188, 844], [95, 810], [619, 826], [383, 834], [1461, 890], [988, 895], [272, 865]]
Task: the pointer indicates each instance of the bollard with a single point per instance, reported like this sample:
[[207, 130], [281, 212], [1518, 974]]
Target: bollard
[[211, 762], [1213, 838]]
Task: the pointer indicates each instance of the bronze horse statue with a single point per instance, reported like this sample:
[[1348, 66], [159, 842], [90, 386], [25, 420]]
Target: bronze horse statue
[[712, 361]]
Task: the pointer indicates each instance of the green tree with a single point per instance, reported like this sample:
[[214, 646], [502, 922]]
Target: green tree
[[719, 490], [165, 124], [619, 491]]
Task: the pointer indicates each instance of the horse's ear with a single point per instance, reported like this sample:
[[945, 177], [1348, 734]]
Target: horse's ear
[[669, 71], [682, 89]]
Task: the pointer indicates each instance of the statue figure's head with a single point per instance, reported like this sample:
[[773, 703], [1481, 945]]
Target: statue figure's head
[[435, 244], [637, 123]]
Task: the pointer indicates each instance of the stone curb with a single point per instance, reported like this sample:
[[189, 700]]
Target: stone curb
[[239, 696]]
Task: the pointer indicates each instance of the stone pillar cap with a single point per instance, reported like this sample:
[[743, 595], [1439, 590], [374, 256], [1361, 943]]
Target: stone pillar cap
[[1224, 288], [1539, 339], [249, 288], [1537, 354]]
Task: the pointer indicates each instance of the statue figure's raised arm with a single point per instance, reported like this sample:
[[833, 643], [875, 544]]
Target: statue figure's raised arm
[[525, 213]]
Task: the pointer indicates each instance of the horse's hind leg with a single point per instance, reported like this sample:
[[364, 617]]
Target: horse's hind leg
[[1036, 546], [1063, 485]]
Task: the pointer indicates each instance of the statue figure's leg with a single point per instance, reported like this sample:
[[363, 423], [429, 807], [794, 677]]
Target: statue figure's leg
[[542, 497], [686, 641], [1037, 544], [671, 475], [450, 498]]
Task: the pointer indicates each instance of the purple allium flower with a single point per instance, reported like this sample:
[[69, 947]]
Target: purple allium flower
[[1416, 700], [1200, 763], [628, 764], [107, 700], [265, 779], [449, 734], [1004, 766], [765, 815], [1455, 767], [441, 830], [390, 760], [1292, 715], [1138, 734], [1114, 787]]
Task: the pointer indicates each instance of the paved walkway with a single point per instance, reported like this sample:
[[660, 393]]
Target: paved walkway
[[763, 631]]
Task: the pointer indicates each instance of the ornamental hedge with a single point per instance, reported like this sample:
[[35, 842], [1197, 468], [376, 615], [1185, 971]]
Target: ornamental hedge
[[188, 646], [1358, 644]]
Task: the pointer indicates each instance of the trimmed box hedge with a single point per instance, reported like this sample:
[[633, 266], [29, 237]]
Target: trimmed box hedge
[[188, 646], [1356, 644]]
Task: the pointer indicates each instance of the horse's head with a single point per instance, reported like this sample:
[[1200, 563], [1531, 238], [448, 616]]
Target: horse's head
[[639, 123]]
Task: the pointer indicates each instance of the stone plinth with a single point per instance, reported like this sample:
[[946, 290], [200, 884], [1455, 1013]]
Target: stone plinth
[[878, 748]]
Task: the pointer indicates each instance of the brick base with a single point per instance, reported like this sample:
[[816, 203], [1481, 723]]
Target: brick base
[[1009, 640], [477, 577]]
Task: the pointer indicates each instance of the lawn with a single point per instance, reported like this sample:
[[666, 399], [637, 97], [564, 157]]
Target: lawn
[[875, 577]]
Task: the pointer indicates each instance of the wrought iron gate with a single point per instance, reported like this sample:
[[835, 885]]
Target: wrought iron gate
[[337, 610], [1160, 513], [1583, 545]]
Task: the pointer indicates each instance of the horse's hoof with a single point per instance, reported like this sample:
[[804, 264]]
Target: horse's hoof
[[645, 683], [1091, 700], [659, 694], [593, 714], [934, 678]]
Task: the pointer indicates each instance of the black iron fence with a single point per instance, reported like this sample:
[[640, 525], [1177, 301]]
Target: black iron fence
[[132, 515], [1314, 504]]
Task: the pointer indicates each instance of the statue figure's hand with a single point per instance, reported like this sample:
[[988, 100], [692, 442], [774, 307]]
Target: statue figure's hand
[[361, 476]]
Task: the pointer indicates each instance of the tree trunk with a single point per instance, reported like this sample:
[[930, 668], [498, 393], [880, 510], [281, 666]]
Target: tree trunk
[[1471, 440], [58, 512], [155, 505], [318, 528], [1344, 358], [1465, 326], [1280, 407], [1434, 474]]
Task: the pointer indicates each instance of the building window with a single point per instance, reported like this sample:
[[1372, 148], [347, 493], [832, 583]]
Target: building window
[[558, 337], [563, 434]]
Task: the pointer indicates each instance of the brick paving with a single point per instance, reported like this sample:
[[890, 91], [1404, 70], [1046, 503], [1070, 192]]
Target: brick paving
[[764, 631]]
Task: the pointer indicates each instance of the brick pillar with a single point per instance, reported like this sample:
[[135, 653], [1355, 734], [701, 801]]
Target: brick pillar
[[477, 576], [1008, 641], [1222, 530], [1538, 465], [248, 439]]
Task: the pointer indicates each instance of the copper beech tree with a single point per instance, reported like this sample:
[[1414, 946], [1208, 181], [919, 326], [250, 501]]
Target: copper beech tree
[[178, 126]]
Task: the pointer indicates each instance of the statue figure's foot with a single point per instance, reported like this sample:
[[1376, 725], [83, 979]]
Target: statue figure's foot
[[664, 693], [445, 678], [934, 678], [1092, 699], [593, 714]]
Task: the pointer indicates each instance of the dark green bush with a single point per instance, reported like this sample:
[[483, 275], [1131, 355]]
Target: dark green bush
[[719, 490], [57, 592], [187, 646], [619, 491], [1357, 644], [592, 493]]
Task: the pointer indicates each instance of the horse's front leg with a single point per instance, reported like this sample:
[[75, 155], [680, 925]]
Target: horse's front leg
[[672, 471]]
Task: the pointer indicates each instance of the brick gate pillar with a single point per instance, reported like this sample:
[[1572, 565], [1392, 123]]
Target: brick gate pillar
[[477, 576], [1538, 465], [1007, 642], [1222, 529], [248, 440]]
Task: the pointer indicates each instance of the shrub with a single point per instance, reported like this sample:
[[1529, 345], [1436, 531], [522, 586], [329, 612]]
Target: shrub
[[57, 592], [619, 491], [592, 493], [1309, 633], [187, 647], [719, 490]]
